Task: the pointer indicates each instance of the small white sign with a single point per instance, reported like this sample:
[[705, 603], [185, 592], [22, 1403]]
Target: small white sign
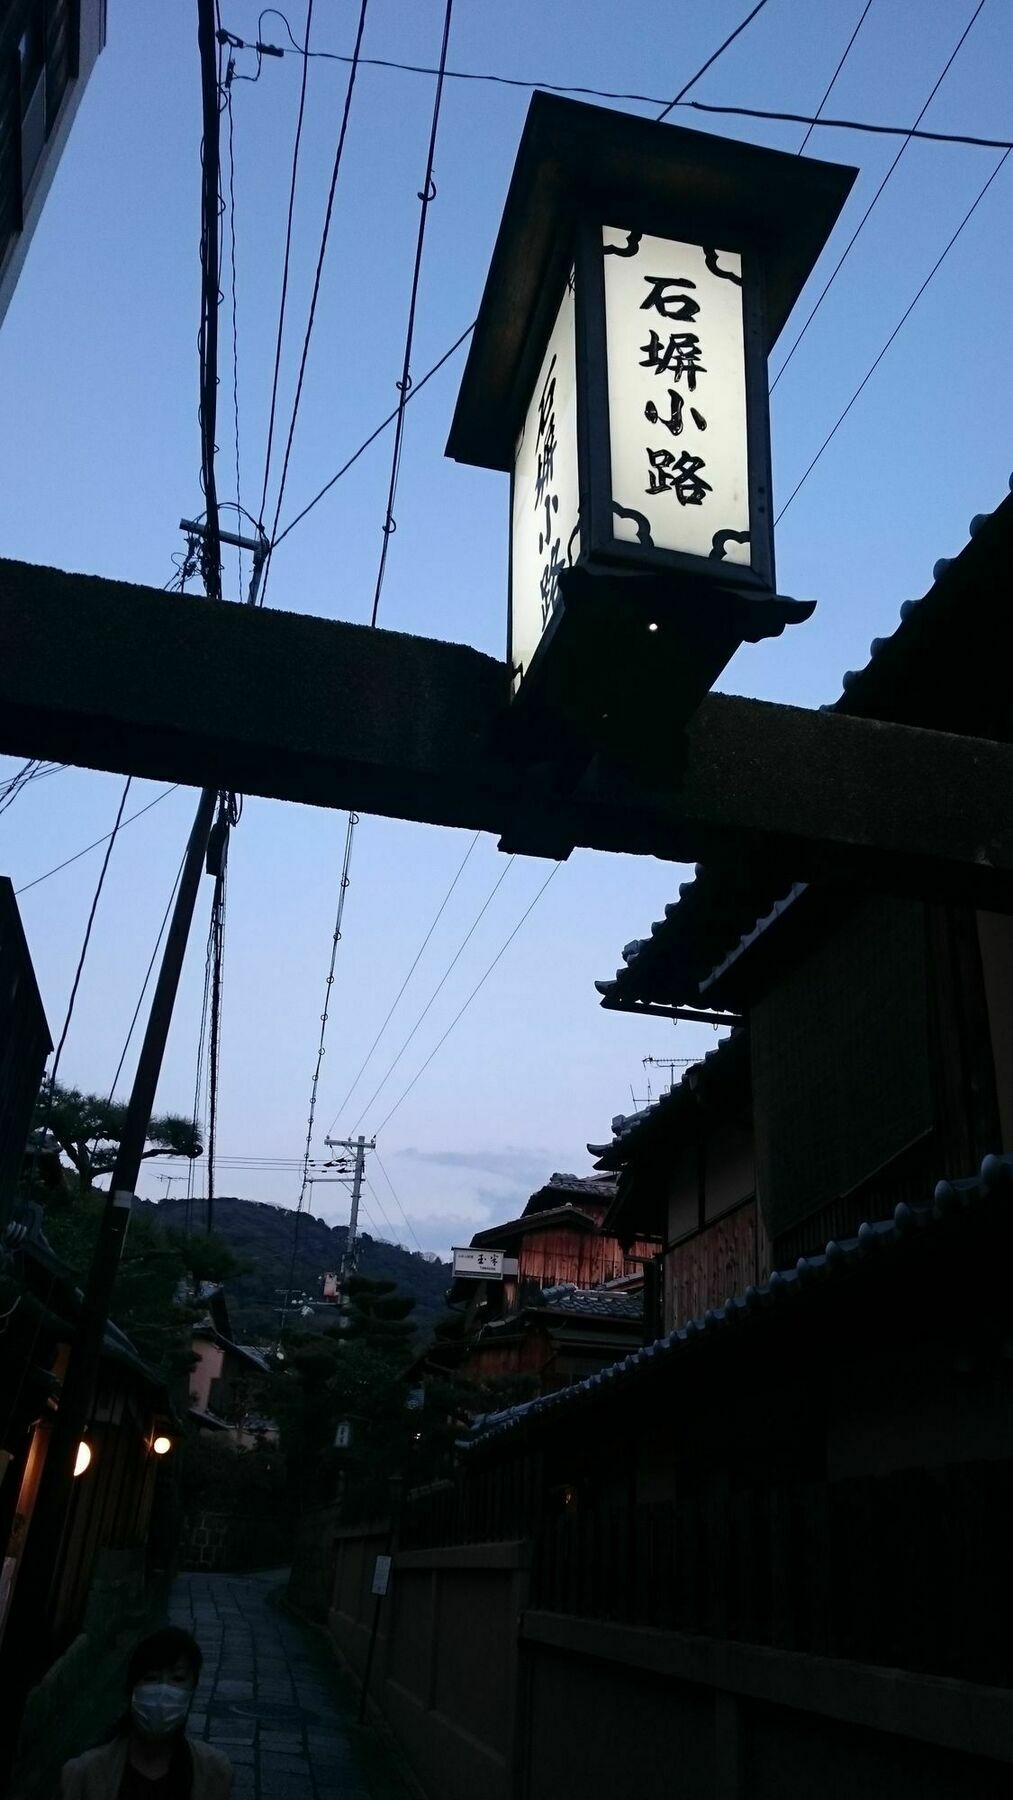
[[483, 1265], [544, 534], [343, 1436], [677, 371], [381, 1575]]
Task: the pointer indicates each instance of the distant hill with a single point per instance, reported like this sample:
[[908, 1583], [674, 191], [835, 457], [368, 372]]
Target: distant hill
[[262, 1235]]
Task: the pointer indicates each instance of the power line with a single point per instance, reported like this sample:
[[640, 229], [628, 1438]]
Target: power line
[[594, 93], [235, 318], [711, 60], [79, 971], [863, 221], [864, 125], [426, 196], [416, 388], [31, 771], [833, 79], [164, 795], [397, 1201], [397, 998], [210, 273], [321, 1045], [469, 934], [287, 263], [380, 1209], [339, 152], [147, 978], [475, 990], [897, 328]]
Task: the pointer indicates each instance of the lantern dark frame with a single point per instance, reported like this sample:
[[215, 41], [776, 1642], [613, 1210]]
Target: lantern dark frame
[[580, 169]]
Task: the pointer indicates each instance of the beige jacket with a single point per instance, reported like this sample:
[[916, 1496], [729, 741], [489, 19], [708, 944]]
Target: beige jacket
[[98, 1775]]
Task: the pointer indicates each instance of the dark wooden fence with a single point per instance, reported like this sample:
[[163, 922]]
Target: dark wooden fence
[[907, 1570]]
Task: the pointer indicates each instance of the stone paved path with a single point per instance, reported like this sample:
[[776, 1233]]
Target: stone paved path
[[270, 1697]]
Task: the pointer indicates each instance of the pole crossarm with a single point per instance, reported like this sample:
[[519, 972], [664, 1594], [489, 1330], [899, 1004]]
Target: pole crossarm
[[176, 688]]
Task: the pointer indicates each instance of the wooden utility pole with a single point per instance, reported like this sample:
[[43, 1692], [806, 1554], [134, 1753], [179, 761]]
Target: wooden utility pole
[[25, 1640]]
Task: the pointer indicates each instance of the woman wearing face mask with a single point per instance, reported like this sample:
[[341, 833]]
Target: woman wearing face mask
[[150, 1756]]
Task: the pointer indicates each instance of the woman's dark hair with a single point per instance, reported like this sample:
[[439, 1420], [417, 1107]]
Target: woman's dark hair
[[159, 1651]]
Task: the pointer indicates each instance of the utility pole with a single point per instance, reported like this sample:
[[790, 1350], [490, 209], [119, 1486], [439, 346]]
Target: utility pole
[[357, 1147], [258, 547], [23, 1650], [167, 1181]]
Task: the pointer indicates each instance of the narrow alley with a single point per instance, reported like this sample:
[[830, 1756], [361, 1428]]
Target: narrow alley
[[271, 1698]]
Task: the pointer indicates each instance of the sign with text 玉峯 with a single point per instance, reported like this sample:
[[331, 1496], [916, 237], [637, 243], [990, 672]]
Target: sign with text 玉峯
[[483, 1265]]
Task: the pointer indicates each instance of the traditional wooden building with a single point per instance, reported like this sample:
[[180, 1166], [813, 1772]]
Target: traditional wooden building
[[574, 1304], [48, 49], [873, 1045], [774, 1539], [108, 1534], [228, 1380]]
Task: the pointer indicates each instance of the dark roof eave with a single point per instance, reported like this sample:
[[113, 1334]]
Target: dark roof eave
[[951, 1197]]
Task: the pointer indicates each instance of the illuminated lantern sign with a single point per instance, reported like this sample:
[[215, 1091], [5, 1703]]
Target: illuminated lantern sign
[[618, 373]]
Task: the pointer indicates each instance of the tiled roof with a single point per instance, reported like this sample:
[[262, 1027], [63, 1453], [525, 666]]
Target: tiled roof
[[931, 671], [630, 1131], [562, 1189], [596, 1303], [996, 1175]]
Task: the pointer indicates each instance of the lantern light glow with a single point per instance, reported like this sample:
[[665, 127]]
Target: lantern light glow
[[83, 1459], [161, 1445], [618, 372]]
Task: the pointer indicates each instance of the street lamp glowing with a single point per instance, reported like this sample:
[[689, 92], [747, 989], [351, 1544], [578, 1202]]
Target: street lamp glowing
[[83, 1459], [161, 1446], [641, 275]]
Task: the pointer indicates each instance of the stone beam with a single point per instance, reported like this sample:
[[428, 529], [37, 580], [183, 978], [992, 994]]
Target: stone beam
[[134, 680]]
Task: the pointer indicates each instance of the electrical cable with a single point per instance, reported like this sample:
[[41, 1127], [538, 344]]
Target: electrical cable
[[197, 1089], [380, 1209], [287, 262], [592, 93], [397, 1201], [353, 819], [235, 318], [338, 154], [475, 990], [88, 930], [31, 771], [40, 1135], [216, 946], [711, 60], [139, 814], [416, 388], [897, 328], [147, 978], [207, 336], [833, 79], [863, 221], [427, 195], [397, 998], [490, 897]]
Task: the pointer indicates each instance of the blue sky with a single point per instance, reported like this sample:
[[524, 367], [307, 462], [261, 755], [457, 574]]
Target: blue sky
[[98, 370]]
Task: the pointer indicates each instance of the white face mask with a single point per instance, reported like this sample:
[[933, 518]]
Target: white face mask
[[160, 1707]]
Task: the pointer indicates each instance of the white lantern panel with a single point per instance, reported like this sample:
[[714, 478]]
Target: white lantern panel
[[677, 396], [544, 534]]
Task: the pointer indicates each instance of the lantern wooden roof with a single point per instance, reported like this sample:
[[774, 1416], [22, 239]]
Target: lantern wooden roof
[[574, 157]]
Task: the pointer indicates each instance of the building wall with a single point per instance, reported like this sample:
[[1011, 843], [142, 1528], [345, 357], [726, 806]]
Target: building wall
[[841, 1064], [712, 1265], [38, 100], [560, 1254], [208, 1369], [487, 1694], [995, 936]]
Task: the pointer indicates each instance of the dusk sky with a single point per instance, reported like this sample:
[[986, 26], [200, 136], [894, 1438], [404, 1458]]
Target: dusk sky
[[100, 458]]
